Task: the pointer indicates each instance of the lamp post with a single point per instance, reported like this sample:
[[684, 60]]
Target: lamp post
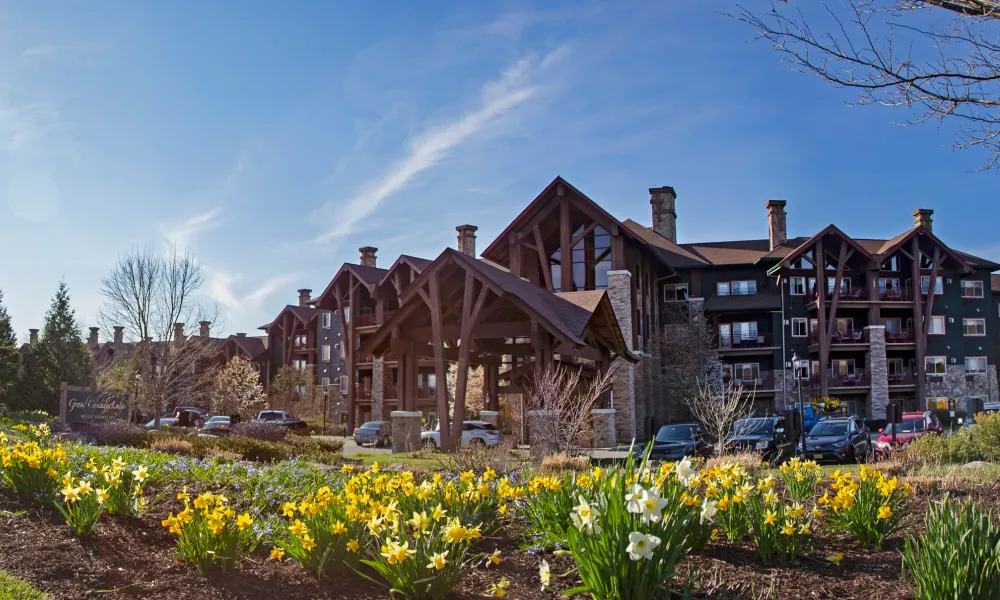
[[796, 364]]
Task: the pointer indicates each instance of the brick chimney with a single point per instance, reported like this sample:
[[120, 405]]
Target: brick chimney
[[241, 335], [304, 295], [94, 331], [368, 256], [467, 239], [922, 216], [178, 332], [777, 230], [664, 200], [32, 336], [119, 334]]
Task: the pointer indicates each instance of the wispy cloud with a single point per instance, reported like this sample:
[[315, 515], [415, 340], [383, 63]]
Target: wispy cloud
[[41, 51], [24, 124], [515, 86], [182, 234], [221, 287]]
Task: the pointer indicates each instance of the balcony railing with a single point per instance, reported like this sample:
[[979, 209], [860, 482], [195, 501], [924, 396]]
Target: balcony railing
[[858, 294], [764, 380], [903, 336], [392, 391], [743, 341], [739, 292], [902, 379], [903, 294], [842, 336], [858, 378]]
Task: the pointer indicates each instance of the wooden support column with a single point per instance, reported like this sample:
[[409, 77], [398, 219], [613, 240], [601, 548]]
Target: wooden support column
[[617, 249], [493, 385], [411, 377], [566, 283], [824, 342], [470, 314], [434, 301], [515, 254]]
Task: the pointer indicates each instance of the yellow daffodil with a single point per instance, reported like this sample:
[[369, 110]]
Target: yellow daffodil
[[277, 554], [243, 521], [438, 561]]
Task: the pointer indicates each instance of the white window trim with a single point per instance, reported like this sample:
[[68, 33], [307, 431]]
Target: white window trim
[[718, 288], [325, 352], [928, 278], [805, 321], [944, 325], [981, 287], [944, 361], [965, 331], [986, 365], [327, 320]]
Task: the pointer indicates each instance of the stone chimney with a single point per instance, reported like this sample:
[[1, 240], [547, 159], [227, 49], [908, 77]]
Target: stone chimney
[[922, 216], [205, 328], [94, 331], [241, 335], [119, 334], [368, 256], [664, 201], [178, 332], [467, 239], [32, 336], [777, 230], [304, 295]]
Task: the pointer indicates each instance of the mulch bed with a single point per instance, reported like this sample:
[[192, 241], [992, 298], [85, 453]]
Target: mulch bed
[[133, 559]]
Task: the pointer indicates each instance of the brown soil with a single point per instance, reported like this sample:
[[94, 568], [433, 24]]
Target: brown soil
[[133, 559]]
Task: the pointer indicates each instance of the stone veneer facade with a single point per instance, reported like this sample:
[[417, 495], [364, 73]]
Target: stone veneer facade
[[955, 383], [378, 390], [406, 427], [623, 387], [603, 428], [878, 370]]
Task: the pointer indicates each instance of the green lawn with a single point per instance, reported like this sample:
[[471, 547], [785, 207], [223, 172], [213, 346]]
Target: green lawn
[[15, 588], [414, 462]]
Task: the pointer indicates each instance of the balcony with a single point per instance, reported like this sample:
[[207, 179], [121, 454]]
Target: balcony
[[764, 380], [841, 337], [904, 294], [859, 294], [744, 341], [391, 392], [902, 379], [903, 336], [858, 379]]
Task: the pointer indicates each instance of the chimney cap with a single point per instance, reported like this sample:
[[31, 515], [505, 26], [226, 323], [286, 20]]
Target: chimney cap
[[466, 228], [665, 188], [367, 249], [305, 291], [199, 322], [33, 330], [920, 212], [776, 203], [94, 329]]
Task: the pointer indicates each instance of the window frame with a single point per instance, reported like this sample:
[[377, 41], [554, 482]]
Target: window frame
[[718, 288], [742, 366], [944, 325], [965, 327], [744, 283], [327, 320], [325, 353], [943, 361], [938, 289], [343, 384], [674, 287], [972, 284], [985, 365], [325, 382], [805, 326], [791, 286]]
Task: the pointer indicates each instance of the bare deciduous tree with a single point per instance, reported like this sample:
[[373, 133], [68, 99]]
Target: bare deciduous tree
[[148, 292], [717, 408], [569, 398], [938, 58]]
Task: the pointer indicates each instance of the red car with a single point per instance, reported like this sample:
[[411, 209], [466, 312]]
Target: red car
[[914, 425]]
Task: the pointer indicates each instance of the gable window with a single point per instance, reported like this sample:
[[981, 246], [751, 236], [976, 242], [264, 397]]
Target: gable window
[[804, 261], [974, 326], [722, 288], [937, 325], [975, 365], [675, 292], [935, 365], [925, 284], [892, 264], [347, 314], [798, 286], [799, 327], [327, 320], [972, 289], [926, 262]]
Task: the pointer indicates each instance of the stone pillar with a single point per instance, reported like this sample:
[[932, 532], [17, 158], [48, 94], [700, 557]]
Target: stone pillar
[[406, 426], [878, 372], [542, 428], [378, 389], [623, 387], [490, 416], [603, 427]]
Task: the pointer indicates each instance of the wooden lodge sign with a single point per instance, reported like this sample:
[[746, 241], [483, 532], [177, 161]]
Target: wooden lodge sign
[[84, 405]]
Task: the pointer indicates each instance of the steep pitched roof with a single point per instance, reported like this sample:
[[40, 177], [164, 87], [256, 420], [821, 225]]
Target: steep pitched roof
[[897, 242], [254, 346], [303, 314], [675, 254], [370, 276], [415, 263]]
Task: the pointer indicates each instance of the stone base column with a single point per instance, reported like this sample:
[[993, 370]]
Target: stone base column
[[490, 416], [623, 387], [603, 427], [878, 372], [406, 426], [542, 432], [378, 389]]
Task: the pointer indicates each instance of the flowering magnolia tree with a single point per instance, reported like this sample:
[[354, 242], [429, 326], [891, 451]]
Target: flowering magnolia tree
[[237, 388]]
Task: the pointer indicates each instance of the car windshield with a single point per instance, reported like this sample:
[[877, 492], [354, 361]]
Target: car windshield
[[371, 425], [829, 428], [907, 426], [752, 427], [269, 415], [676, 433], [219, 420], [163, 421]]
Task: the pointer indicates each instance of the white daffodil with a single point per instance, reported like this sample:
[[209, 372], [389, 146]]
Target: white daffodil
[[641, 546], [585, 516], [708, 510], [634, 499], [652, 506], [684, 471], [544, 573]]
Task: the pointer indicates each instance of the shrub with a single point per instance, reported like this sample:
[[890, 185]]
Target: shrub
[[210, 534], [870, 507], [801, 478], [959, 557], [81, 505], [502, 458], [254, 449], [259, 431], [332, 429], [315, 445], [174, 446], [120, 433], [557, 463], [15, 587], [224, 454]]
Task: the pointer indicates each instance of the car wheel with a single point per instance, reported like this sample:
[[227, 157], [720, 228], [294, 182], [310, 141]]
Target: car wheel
[[383, 441], [851, 456]]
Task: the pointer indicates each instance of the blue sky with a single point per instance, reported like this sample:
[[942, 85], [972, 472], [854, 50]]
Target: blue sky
[[275, 139]]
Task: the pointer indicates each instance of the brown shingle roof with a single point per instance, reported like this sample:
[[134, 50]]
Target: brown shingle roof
[[674, 254], [252, 345], [302, 313]]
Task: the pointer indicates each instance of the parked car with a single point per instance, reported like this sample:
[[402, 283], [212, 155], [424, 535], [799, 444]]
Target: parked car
[[281, 418], [914, 425], [766, 435], [838, 439], [674, 442], [809, 417], [477, 434], [378, 433], [164, 422], [218, 425]]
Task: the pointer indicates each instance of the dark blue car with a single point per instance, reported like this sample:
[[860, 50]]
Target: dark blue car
[[674, 442]]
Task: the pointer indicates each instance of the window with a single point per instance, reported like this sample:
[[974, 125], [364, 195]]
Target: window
[[722, 288], [749, 372], [798, 286], [975, 365], [842, 367], [888, 287], [744, 288], [347, 314], [343, 350], [799, 327], [300, 390], [801, 369], [972, 289], [937, 325], [893, 326], [745, 331], [804, 261], [974, 326], [937, 404], [325, 382], [325, 353], [301, 340], [327, 320], [675, 293], [894, 367], [844, 325], [343, 384], [926, 262], [935, 365], [299, 363], [845, 285], [925, 283], [892, 264]]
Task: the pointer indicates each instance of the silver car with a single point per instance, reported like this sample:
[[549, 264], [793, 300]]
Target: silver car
[[478, 434]]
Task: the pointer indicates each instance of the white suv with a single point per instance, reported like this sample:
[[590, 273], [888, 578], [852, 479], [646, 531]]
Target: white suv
[[477, 434]]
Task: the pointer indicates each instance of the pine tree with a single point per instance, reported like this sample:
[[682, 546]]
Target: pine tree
[[65, 356], [10, 359]]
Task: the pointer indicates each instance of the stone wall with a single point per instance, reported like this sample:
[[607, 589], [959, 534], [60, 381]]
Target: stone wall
[[956, 384], [603, 428], [623, 388], [406, 427], [878, 370], [378, 389]]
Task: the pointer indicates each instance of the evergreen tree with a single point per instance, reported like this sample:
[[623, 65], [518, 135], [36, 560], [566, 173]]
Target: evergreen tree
[[32, 391], [10, 360], [64, 356]]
